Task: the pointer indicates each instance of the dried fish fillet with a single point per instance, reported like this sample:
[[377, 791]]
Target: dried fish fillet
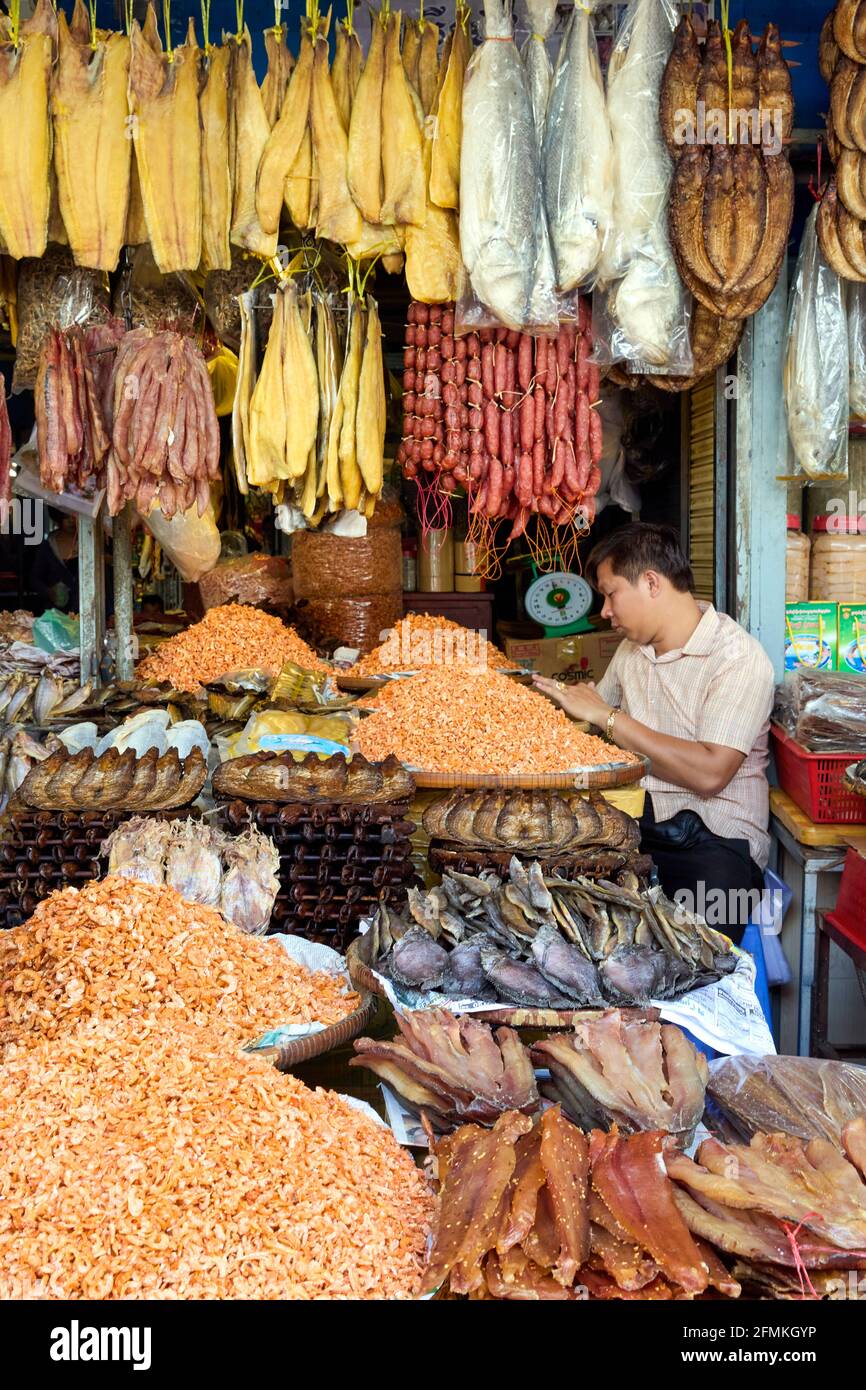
[[250, 135], [284, 143], [216, 181], [365, 129], [25, 135], [404, 192]]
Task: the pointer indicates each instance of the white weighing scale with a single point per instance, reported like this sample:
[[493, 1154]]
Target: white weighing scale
[[559, 602]]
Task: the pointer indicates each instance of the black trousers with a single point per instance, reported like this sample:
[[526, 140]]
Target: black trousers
[[716, 876]]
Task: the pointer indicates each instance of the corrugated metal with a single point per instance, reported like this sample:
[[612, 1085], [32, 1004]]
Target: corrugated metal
[[702, 487]]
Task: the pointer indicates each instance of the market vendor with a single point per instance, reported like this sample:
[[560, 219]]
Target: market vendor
[[692, 691]]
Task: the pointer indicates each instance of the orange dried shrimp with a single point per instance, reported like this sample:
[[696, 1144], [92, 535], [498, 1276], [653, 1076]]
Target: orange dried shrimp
[[140, 1161], [233, 637], [420, 641], [128, 949], [452, 719]]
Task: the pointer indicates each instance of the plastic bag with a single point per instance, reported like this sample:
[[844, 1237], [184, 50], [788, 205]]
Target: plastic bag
[[804, 1096], [823, 711], [815, 377], [329, 566], [56, 632], [539, 74], [504, 240], [856, 348], [53, 292], [640, 316], [577, 155], [152, 300], [190, 541], [260, 580]]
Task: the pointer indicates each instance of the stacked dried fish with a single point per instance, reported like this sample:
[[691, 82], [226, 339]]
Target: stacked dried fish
[[165, 434], [732, 197], [545, 943], [793, 1213], [626, 1069], [238, 874], [454, 1071], [842, 217], [541, 823], [31, 698], [116, 781], [534, 1211], [278, 777]]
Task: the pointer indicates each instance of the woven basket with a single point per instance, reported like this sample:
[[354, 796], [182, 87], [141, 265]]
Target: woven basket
[[577, 779], [293, 1054]]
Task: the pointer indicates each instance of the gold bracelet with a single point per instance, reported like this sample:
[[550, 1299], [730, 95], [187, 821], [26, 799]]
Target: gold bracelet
[[609, 726]]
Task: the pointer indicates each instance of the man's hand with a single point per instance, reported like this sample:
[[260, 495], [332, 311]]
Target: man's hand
[[580, 701]]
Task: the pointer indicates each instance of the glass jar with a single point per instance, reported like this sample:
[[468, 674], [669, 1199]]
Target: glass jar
[[797, 555], [838, 566]]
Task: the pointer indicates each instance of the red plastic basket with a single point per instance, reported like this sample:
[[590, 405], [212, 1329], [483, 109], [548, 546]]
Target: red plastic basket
[[849, 914], [816, 782]]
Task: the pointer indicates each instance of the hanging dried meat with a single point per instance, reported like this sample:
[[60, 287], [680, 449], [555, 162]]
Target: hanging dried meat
[[284, 144], [447, 136], [72, 433], [163, 100], [216, 181], [250, 132], [25, 133], [165, 435], [276, 80], [92, 148], [732, 197]]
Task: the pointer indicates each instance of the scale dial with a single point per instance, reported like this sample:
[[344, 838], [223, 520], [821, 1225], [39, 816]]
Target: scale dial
[[558, 599]]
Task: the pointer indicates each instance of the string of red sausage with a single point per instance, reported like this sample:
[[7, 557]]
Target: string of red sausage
[[510, 418]]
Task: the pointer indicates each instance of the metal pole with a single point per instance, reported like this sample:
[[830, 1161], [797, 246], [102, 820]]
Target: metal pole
[[122, 556], [91, 591]]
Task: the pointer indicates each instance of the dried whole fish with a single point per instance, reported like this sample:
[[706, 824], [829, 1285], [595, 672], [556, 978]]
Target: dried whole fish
[[272, 776], [417, 961]]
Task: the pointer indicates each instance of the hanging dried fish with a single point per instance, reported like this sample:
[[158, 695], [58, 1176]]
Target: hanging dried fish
[[25, 134]]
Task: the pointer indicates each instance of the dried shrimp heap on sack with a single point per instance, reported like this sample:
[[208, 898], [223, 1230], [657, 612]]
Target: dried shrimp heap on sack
[[454, 719], [125, 950], [197, 1174], [509, 417], [234, 637], [421, 640]]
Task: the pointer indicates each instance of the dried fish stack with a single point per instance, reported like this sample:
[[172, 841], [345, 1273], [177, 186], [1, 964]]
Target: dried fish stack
[[338, 863], [732, 198], [278, 777], [113, 780], [454, 1071], [544, 943], [842, 216], [44, 851]]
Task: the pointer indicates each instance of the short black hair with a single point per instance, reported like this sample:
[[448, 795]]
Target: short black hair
[[153, 601], [638, 547]]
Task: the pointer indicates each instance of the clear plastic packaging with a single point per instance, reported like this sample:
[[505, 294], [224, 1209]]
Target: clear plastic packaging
[[152, 300], [504, 239], [53, 292], [856, 348], [838, 555], [190, 541], [577, 153], [359, 623], [334, 567], [798, 550], [263, 581], [825, 711], [541, 16], [807, 1097], [642, 315], [815, 378]]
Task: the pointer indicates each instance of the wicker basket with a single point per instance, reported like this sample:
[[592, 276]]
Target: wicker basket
[[577, 779], [294, 1054]]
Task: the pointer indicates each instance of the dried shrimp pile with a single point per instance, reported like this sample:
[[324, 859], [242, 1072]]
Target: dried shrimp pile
[[233, 637], [160, 1166], [421, 641], [120, 948], [450, 719]]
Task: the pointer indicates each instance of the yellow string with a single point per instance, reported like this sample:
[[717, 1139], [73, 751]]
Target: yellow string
[[205, 23], [166, 19], [91, 4], [725, 9]]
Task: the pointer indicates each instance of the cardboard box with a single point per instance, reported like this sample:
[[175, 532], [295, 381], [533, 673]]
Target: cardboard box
[[583, 657], [811, 636], [852, 638]]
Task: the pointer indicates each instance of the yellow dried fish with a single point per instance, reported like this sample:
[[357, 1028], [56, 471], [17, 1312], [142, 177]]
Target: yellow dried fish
[[404, 185], [163, 98], [250, 136], [216, 182], [411, 51], [338, 218], [300, 385], [365, 130], [136, 226], [428, 64], [370, 418], [351, 482], [280, 65], [266, 452], [25, 135], [91, 143], [448, 126], [433, 251], [284, 144]]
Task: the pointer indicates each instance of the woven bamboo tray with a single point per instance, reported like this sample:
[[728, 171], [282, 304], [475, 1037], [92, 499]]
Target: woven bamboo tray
[[294, 1054], [366, 685], [595, 778], [515, 1016]]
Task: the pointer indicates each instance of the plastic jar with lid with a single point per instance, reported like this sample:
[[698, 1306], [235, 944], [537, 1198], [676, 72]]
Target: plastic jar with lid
[[797, 555], [838, 568]]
